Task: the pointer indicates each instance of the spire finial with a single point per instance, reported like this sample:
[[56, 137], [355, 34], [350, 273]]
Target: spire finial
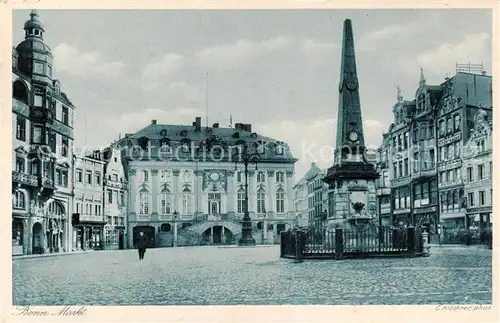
[[422, 77], [400, 96]]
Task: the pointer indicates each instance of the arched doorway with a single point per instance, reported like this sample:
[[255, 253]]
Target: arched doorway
[[165, 227], [56, 214], [37, 243], [218, 235], [149, 231]]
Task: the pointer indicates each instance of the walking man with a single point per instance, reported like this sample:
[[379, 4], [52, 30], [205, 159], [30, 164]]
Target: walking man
[[141, 245]]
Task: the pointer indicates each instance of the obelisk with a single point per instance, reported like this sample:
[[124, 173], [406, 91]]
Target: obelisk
[[351, 178]]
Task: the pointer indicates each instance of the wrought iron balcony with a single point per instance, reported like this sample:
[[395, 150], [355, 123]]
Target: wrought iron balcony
[[24, 179]]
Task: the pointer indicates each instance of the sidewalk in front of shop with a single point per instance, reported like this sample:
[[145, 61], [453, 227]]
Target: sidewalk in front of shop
[[54, 254], [477, 246]]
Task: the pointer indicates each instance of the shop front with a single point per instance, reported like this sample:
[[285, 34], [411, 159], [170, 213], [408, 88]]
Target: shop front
[[427, 218], [88, 236], [480, 224], [402, 218], [114, 237]]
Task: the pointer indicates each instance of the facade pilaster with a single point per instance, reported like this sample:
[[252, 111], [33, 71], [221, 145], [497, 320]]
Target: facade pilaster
[[199, 191], [271, 192], [231, 194], [252, 197], [289, 193], [177, 191], [154, 192]]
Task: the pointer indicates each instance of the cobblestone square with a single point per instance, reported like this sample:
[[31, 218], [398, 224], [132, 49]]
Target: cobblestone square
[[254, 276]]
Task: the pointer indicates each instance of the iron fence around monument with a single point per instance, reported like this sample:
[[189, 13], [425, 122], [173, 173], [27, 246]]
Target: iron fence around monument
[[374, 241]]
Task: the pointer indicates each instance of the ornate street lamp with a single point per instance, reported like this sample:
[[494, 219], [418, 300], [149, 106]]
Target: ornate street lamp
[[245, 157]]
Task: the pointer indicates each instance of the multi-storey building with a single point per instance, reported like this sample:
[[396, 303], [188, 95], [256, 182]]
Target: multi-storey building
[[382, 184], [478, 175], [301, 202], [183, 178], [311, 198], [115, 199], [462, 95], [88, 220], [42, 176], [426, 171], [317, 197]]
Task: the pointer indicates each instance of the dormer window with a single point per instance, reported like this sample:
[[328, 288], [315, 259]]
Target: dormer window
[[279, 149], [184, 133], [185, 146], [261, 147]]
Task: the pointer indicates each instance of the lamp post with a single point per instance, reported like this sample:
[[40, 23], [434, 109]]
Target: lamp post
[[175, 228], [245, 157]]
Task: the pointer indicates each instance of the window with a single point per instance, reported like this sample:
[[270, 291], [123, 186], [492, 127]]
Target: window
[[122, 198], [241, 201], [97, 210], [165, 202], [415, 133], [261, 201], [49, 71], [88, 177], [431, 130], [97, 178], [52, 141], [400, 164], [423, 131], [64, 175], [186, 202], [21, 128], [449, 125], [185, 147], [58, 177], [480, 172], [442, 129], [19, 200], [405, 142], [38, 100], [490, 173], [64, 148], [470, 175], [79, 175], [433, 191], [115, 177], [470, 198], [457, 122], [279, 148], [38, 137], [144, 203], [385, 178], [261, 149], [280, 201], [110, 197], [280, 178], [261, 177], [145, 176], [239, 177], [20, 162], [415, 162], [482, 197], [37, 66], [400, 145], [65, 115], [431, 158], [406, 167], [457, 149]]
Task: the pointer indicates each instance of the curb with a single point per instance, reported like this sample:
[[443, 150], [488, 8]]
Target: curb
[[48, 255]]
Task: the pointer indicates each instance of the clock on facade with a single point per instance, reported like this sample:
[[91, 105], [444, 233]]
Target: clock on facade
[[214, 176], [353, 136]]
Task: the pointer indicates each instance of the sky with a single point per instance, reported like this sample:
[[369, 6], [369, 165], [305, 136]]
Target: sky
[[277, 70]]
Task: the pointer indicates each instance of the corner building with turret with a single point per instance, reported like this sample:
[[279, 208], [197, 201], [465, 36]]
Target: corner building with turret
[[42, 143]]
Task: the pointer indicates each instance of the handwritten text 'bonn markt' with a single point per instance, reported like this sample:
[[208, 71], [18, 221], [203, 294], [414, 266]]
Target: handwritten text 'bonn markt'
[[65, 311]]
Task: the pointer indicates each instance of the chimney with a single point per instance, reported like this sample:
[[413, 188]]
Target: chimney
[[197, 124], [246, 127], [153, 121], [216, 125]]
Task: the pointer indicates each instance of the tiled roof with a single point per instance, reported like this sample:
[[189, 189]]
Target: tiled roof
[[175, 134]]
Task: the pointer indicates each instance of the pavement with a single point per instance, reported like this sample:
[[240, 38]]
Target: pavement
[[251, 276]]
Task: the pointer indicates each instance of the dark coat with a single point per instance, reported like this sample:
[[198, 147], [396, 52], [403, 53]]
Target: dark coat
[[142, 242]]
